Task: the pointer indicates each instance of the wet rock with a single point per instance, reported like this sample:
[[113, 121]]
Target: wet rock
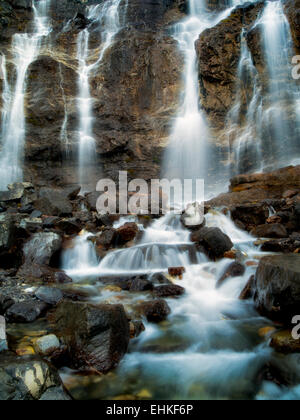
[[155, 311], [49, 295], [168, 290], [97, 337], [26, 312], [140, 284], [247, 292], [193, 217], [136, 329], [281, 245], [50, 222], [25, 378], [47, 345], [15, 192], [126, 233], [235, 269], [55, 394], [283, 342], [270, 231], [176, 271], [213, 242], [7, 232], [41, 247], [3, 341], [160, 278], [107, 238], [250, 215], [277, 287]]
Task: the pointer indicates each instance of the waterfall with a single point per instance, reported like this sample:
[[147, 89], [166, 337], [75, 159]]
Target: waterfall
[[260, 132], [25, 48], [106, 16]]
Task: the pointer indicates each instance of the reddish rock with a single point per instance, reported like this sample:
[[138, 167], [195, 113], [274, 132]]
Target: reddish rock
[[176, 271]]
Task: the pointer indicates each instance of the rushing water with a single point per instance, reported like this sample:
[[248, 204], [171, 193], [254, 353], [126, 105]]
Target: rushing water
[[210, 347], [107, 17], [25, 48]]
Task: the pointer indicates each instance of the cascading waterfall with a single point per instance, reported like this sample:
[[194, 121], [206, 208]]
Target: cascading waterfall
[[25, 48], [266, 138], [107, 17]]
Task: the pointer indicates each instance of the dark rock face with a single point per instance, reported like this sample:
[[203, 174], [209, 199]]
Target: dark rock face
[[213, 242], [218, 52], [97, 337], [27, 378], [277, 287], [41, 248]]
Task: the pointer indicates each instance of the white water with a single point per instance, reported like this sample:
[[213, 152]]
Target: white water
[[106, 16], [25, 48]]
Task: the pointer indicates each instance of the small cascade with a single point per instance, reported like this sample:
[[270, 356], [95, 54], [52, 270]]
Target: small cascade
[[25, 48], [81, 258], [106, 16]]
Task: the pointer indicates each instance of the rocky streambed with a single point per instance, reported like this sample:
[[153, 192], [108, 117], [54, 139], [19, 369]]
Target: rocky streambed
[[107, 307]]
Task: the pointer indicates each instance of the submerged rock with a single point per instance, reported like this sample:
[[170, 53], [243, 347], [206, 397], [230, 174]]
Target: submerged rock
[[97, 337], [277, 287]]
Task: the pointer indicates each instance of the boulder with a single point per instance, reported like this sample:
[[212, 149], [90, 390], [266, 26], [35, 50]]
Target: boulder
[[26, 312], [193, 217], [212, 241], [126, 233], [155, 311], [247, 292], [49, 295], [234, 269], [168, 290], [140, 284], [250, 215], [107, 238], [53, 202], [47, 345], [277, 287], [69, 226], [274, 230], [97, 337], [25, 378], [15, 192], [281, 245], [41, 247]]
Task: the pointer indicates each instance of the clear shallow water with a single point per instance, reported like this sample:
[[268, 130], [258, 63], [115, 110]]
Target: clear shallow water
[[209, 348]]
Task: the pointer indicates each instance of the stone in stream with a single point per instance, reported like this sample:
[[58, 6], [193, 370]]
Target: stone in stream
[[193, 217], [155, 311], [277, 287], [234, 269], [247, 292], [26, 378], [126, 233], [3, 341], [212, 241], [283, 342], [176, 271], [26, 312], [168, 290], [96, 336], [49, 295], [47, 345], [140, 284]]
